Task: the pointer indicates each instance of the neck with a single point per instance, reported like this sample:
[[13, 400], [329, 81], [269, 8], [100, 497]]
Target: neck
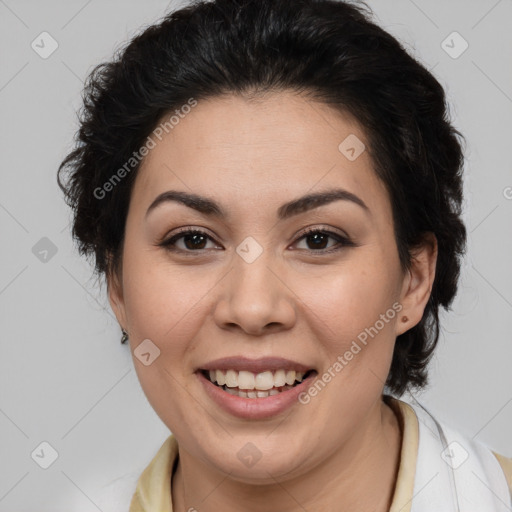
[[361, 475]]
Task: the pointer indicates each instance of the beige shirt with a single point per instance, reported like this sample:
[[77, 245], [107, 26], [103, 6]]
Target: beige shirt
[[153, 491]]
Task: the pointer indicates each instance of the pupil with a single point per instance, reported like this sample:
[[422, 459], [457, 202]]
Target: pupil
[[194, 243], [316, 237]]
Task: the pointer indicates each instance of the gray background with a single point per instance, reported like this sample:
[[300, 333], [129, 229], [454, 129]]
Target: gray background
[[64, 376]]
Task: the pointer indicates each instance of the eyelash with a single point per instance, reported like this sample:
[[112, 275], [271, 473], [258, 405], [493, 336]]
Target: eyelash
[[343, 241]]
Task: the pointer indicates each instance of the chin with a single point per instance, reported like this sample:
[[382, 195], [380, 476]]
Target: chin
[[259, 459]]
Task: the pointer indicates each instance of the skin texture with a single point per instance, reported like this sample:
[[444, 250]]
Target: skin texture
[[341, 450]]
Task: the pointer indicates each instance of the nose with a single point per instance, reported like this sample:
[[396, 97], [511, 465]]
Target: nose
[[255, 297]]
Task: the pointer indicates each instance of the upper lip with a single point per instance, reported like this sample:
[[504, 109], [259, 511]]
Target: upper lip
[[240, 363]]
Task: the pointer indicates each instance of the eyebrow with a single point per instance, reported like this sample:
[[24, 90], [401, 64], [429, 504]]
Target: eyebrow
[[302, 204]]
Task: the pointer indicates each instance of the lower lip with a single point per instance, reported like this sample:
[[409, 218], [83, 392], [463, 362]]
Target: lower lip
[[254, 408]]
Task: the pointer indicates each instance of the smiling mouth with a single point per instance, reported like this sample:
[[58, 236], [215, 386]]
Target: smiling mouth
[[246, 384]]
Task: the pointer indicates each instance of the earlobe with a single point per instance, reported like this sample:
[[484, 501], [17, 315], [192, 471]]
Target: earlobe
[[417, 285]]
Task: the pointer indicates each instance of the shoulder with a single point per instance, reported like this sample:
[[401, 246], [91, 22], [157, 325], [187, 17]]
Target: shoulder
[[506, 465], [117, 494], [444, 450]]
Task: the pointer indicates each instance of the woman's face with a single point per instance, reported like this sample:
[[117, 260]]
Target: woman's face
[[255, 287]]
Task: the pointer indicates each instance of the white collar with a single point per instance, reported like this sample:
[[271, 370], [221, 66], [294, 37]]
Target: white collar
[[454, 473]]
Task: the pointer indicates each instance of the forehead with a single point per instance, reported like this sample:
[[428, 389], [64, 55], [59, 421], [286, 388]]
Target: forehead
[[246, 150]]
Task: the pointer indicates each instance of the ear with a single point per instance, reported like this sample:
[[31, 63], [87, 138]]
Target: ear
[[417, 284], [115, 296]]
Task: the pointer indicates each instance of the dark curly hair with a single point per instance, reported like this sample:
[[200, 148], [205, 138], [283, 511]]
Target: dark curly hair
[[330, 50]]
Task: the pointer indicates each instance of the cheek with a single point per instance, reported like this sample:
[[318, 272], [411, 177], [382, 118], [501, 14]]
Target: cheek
[[166, 305], [353, 311], [164, 302], [350, 296]]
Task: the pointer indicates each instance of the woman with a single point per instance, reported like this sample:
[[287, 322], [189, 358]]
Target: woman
[[272, 190]]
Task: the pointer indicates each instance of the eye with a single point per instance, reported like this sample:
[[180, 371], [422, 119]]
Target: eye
[[317, 240], [193, 240]]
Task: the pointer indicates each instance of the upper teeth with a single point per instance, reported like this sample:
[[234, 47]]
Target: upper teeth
[[248, 380]]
